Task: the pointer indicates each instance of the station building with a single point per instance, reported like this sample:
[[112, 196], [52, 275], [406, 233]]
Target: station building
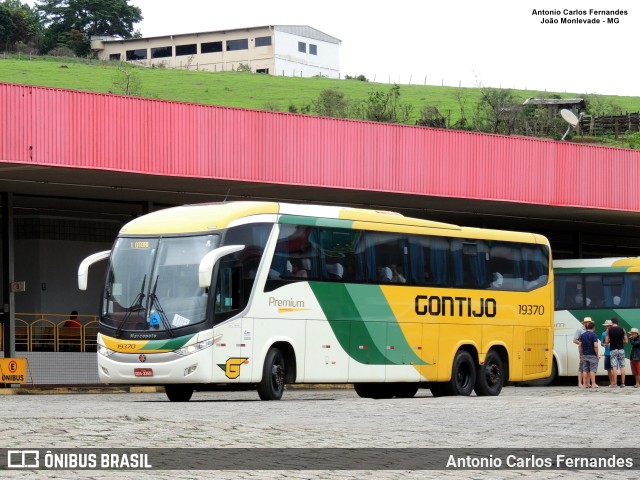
[[71, 177], [288, 50]]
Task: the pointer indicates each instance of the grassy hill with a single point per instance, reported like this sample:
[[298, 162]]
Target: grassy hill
[[242, 89]]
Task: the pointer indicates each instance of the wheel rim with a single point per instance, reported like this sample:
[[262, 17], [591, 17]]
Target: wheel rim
[[463, 376], [277, 376], [494, 375]]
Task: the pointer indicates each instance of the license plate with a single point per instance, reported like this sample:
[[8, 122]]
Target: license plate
[[143, 372]]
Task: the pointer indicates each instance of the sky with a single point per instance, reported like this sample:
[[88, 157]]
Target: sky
[[468, 43]]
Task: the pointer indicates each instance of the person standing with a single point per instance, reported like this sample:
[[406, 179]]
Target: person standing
[[635, 355], [589, 344], [616, 338], [607, 355], [576, 340]]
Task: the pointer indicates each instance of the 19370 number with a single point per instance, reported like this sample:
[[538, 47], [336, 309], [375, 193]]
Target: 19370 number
[[531, 309]]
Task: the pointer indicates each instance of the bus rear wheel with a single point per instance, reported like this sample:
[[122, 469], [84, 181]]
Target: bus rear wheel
[[405, 390], [463, 375], [490, 376], [178, 393], [271, 387], [376, 391]]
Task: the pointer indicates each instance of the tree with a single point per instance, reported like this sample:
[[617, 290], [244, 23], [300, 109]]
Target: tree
[[330, 103], [497, 111], [430, 116], [19, 23], [385, 107], [127, 79], [89, 18]]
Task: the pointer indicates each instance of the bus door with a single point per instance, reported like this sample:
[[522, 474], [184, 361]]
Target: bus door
[[232, 350]]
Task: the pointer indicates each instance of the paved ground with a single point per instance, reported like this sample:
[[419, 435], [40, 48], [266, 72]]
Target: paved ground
[[528, 417]]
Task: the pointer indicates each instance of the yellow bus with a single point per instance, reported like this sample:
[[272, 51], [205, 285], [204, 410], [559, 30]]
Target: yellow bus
[[263, 294]]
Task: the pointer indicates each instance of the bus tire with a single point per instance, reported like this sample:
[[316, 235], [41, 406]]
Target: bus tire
[[271, 387], [178, 393], [405, 390], [438, 390], [463, 375], [377, 391], [490, 378]]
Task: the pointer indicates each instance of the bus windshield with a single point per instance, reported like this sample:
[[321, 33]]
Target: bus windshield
[[152, 284]]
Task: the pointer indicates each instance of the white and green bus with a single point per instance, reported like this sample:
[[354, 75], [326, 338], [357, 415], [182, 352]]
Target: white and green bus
[[263, 294], [600, 288]]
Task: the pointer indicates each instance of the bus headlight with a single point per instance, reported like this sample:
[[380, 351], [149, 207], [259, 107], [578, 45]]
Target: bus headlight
[[196, 347], [104, 351]]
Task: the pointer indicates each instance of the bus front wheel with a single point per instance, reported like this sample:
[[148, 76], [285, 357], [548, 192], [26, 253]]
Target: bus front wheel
[[463, 375], [271, 387], [490, 376], [178, 393]]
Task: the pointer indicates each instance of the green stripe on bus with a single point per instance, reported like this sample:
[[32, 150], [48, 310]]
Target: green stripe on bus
[[171, 344], [568, 271], [365, 342], [315, 222]]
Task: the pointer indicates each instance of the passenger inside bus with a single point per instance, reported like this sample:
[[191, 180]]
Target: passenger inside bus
[[396, 275], [295, 269], [384, 274], [498, 279], [335, 271]]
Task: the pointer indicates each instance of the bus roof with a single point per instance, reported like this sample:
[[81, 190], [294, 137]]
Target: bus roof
[[209, 217], [618, 263]]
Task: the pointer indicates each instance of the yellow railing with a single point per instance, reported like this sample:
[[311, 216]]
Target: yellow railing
[[42, 332]]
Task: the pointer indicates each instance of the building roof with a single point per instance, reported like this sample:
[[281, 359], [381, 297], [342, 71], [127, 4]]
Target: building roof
[[300, 30], [307, 31], [554, 101]]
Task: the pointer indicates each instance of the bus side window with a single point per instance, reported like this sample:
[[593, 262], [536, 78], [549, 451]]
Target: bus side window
[[594, 291], [506, 259], [341, 256], [568, 292], [614, 293], [429, 260], [387, 257], [470, 263], [295, 258], [535, 260]]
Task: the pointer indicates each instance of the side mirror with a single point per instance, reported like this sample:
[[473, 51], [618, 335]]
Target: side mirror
[[83, 269], [205, 270]]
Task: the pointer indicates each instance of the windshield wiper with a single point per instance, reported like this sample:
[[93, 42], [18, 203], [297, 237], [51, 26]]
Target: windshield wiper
[[136, 306], [156, 303]]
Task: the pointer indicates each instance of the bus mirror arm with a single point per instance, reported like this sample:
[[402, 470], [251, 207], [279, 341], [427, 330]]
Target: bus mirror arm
[[205, 270], [83, 269]]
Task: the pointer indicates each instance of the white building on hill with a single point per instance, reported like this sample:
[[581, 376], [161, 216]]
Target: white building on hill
[[289, 50]]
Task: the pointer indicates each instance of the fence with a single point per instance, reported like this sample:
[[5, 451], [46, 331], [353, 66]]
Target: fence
[[602, 125], [40, 332], [56, 355]]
